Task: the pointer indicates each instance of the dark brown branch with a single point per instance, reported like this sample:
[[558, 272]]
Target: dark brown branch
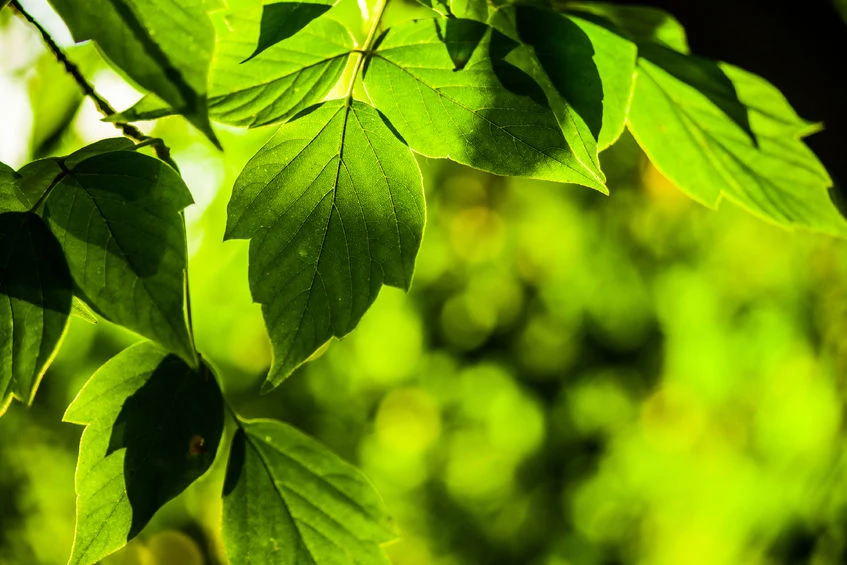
[[163, 152]]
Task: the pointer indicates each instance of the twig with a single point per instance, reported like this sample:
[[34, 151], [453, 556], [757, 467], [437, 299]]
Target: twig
[[163, 152]]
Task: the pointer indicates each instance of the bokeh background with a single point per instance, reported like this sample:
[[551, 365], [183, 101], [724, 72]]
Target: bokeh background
[[573, 379]]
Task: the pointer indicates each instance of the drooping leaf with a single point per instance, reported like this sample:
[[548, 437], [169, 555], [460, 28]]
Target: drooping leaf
[[282, 20], [11, 199], [35, 300], [271, 87], [153, 425], [334, 208], [287, 499], [642, 24], [117, 218], [166, 46], [717, 131], [490, 115]]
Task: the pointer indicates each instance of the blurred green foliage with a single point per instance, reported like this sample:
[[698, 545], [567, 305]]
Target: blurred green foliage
[[573, 379]]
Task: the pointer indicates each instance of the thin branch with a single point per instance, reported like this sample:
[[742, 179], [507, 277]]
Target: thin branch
[[163, 152]]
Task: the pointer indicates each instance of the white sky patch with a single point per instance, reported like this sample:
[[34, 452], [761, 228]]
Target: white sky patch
[[89, 124], [15, 122]]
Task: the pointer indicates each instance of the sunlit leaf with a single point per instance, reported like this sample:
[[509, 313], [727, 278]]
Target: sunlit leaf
[[166, 46], [153, 425], [271, 87], [35, 300], [334, 208], [287, 499], [717, 131], [11, 199], [489, 115], [117, 218], [642, 24], [282, 20]]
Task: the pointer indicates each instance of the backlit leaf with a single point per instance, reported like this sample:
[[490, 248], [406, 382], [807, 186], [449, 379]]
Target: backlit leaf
[[287, 499], [35, 300], [717, 131], [642, 24], [489, 115], [281, 20], [334, 208], [153, 425], [164, 45], [117, 217], [271, 87], [11, 199]]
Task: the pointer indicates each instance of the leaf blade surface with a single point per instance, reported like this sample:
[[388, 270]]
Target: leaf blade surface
[[309, 506], [153, 425], [334, 208]]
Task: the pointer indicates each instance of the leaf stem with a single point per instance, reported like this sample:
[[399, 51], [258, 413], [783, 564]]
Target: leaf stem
[[365, 51], [163, 152]]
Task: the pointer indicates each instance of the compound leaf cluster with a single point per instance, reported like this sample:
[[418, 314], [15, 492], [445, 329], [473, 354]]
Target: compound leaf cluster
[[333, 206]]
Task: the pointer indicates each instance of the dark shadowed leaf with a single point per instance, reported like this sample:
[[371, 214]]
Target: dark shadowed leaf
[[717, 131], [334, 208], [153, 425], [165, 46], [490, 115], [35, 300], [271, 87], [282, 20], [117, 217], [287, 499]]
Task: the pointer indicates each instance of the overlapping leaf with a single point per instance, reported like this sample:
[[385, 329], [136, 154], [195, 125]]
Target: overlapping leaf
[[642, 24], [164, 45], [717, 131], [35, 300], [117, 218], [334, 208], [271, 87], [281, 20], [489, 114], [586, 70], [153, 425], [287, 499]]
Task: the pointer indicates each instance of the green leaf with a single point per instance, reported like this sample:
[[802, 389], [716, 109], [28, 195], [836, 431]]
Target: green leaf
[[717, 131], [165, 46], [272, 87], [642, 24], [11, 198], [586, 71], [153, 425], [490, 115], [117, 217], [35, 300], [38, 177], [615, 58], [334, 208], [83, 311], [282, 20], [287, 499]]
